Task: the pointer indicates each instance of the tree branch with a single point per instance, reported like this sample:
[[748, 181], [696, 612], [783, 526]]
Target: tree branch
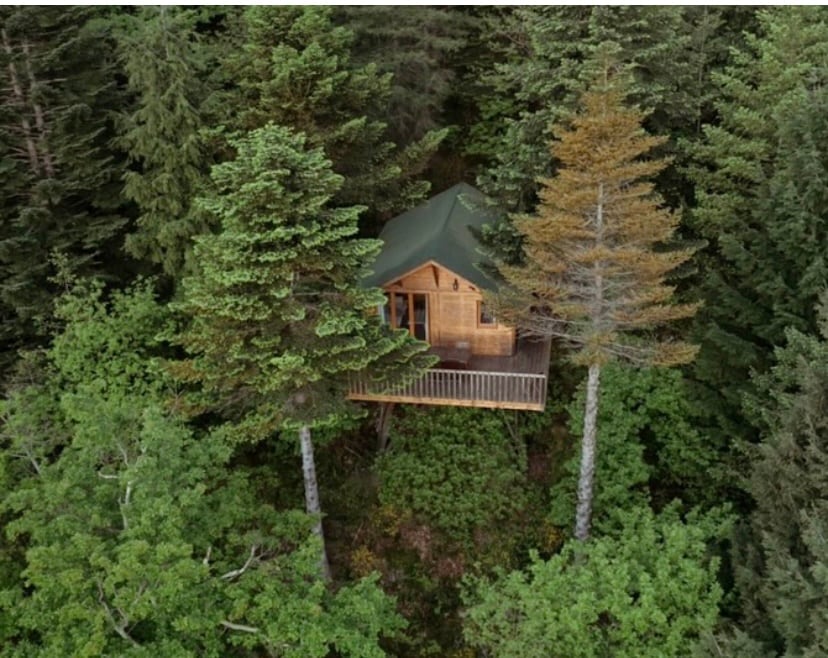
[[120, 629], [239, 627], [235, 573]]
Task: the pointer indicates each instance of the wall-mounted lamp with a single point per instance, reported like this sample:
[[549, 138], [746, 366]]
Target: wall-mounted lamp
[[455, 285]]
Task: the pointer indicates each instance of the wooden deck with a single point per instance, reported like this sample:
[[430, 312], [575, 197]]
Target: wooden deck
[[494, 382]]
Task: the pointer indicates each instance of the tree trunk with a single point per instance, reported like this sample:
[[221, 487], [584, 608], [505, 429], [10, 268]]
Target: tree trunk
[[312, 496], [40, 119], [17, 92], [583, 513], [386, 411]]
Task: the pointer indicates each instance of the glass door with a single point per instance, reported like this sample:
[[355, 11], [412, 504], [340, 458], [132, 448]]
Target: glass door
[[408, 310], [420, 315]]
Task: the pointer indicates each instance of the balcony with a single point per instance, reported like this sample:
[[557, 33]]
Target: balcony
[[466, 380]]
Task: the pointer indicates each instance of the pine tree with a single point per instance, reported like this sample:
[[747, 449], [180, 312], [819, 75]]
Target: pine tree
[[762, 206], [162, 59], [279, 320], [295, 69], [60, 182], [591, 276]]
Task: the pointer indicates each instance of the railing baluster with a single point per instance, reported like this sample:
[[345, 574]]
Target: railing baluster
[[463, 385]]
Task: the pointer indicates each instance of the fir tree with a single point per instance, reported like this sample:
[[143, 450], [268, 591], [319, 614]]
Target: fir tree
[[591, 276], [61, 183], [164, 64], [420, 47], [762, 206], [780, 563], [538, 72], [296, 70], [279, 320]]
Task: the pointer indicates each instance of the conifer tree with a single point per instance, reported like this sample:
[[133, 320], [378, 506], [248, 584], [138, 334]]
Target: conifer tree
[[162, 59], [420, 47], [592, 277], [537, 74], [61, 183], [759, 176], [780, 560], [279, 320], [295, 69]]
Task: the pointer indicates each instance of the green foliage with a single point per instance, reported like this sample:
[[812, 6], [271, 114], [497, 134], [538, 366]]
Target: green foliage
[[340, 106], [279, 320], [138, 539], [60, 181], [163, 61], [420, 47], [538, 71], [456, 469], [649, 450], [762, 206], [781, 570], [648, 592], [452, 498]]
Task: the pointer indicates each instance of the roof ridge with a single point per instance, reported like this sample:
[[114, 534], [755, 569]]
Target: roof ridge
[[447, 219]]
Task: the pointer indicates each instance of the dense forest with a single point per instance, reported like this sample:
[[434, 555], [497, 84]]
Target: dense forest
[[191, 197]]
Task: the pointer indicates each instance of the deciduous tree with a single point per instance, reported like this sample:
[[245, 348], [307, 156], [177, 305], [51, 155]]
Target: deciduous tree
[[137, 536], [648, 593]]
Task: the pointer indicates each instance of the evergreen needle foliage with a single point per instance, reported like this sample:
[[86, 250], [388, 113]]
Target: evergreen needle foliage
[[279, 320], [592, 275]]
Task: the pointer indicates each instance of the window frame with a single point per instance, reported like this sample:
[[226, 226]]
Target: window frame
[[485, 325]]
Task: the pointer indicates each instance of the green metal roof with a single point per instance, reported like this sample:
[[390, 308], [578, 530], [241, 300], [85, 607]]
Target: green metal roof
[[438, 230]]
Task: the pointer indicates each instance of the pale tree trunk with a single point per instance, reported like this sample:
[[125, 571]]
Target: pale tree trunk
[[583, 513], [312, 496], [40, 119], [19, 100], [386, 411]]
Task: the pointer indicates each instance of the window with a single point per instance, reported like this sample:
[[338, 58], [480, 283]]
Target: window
[[485, 317], [407, 310]]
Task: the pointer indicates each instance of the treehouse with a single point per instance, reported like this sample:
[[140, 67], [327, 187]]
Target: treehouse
[[433, 275]]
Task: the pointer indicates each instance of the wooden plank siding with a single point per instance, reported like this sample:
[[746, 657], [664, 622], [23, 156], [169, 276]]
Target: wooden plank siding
[[514, 382], [453, 314]]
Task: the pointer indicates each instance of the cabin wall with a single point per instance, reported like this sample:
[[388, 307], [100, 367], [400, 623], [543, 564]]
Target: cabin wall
[[453, 314]]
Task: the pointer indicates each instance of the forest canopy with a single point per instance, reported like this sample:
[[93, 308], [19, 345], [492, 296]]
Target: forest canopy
[[192, 198]]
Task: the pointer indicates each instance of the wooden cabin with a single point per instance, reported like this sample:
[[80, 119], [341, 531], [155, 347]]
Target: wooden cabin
[[433, 273]]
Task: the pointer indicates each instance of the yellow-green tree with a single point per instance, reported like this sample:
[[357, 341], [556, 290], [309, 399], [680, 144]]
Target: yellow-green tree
[[592, 275]]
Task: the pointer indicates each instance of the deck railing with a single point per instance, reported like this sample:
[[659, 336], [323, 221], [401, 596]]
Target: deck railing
[[471, 388]]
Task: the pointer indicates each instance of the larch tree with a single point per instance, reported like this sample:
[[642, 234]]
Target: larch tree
[[278, 318], [592, 276]]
